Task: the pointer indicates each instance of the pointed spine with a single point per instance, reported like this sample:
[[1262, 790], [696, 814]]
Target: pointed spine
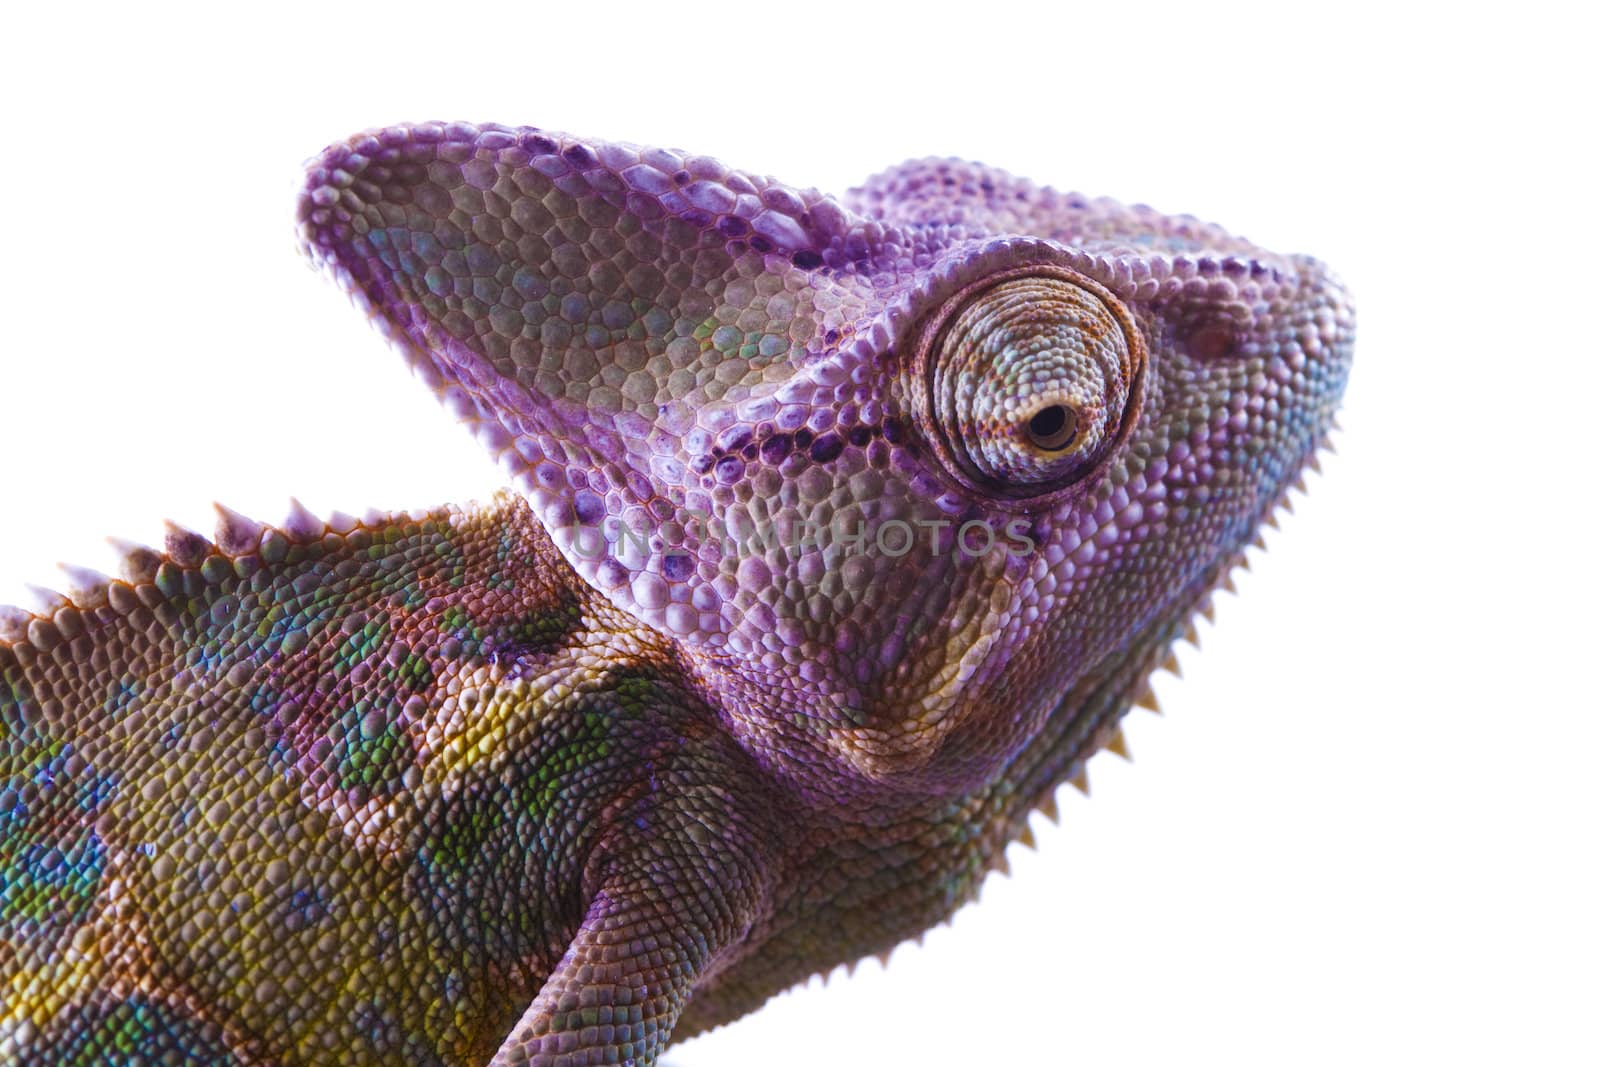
[[1171, 665], [185, 547], [14, 623], [139, 563], [237, 535], [301, 525], [342, 524], [46, 601], [86, 587]]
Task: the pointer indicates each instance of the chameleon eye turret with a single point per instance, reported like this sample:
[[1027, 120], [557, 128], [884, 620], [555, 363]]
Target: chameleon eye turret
[[1028, 381]]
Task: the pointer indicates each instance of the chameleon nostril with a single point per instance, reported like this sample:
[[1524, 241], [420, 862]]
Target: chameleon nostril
[[1209, 341], [1053, 428]]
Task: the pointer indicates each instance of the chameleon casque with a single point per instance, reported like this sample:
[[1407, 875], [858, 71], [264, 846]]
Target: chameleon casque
[[840, 533]]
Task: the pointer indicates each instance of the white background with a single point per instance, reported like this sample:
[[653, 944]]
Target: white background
[[1365, 832]]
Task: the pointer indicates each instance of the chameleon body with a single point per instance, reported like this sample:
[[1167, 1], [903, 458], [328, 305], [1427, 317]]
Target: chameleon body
[[840, 533]]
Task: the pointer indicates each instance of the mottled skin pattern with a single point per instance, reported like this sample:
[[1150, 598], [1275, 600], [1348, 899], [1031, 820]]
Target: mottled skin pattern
[[841, 533]]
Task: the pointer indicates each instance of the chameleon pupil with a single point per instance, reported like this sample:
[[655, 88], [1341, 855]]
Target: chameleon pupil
[[1052, 428]]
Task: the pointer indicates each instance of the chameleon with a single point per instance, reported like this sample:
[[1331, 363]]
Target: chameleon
[[839, 534]]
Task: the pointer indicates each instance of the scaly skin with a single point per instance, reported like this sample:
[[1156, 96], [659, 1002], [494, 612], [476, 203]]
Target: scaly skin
[[511, 784]]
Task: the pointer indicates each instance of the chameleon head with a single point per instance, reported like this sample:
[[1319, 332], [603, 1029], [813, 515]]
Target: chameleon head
[[1128, 418], [898, 474]]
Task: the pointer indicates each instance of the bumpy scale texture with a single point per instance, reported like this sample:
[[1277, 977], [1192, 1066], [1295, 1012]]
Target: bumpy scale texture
[[840, 533]]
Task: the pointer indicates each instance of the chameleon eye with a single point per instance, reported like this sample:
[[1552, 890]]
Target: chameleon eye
[[1031, 379]]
